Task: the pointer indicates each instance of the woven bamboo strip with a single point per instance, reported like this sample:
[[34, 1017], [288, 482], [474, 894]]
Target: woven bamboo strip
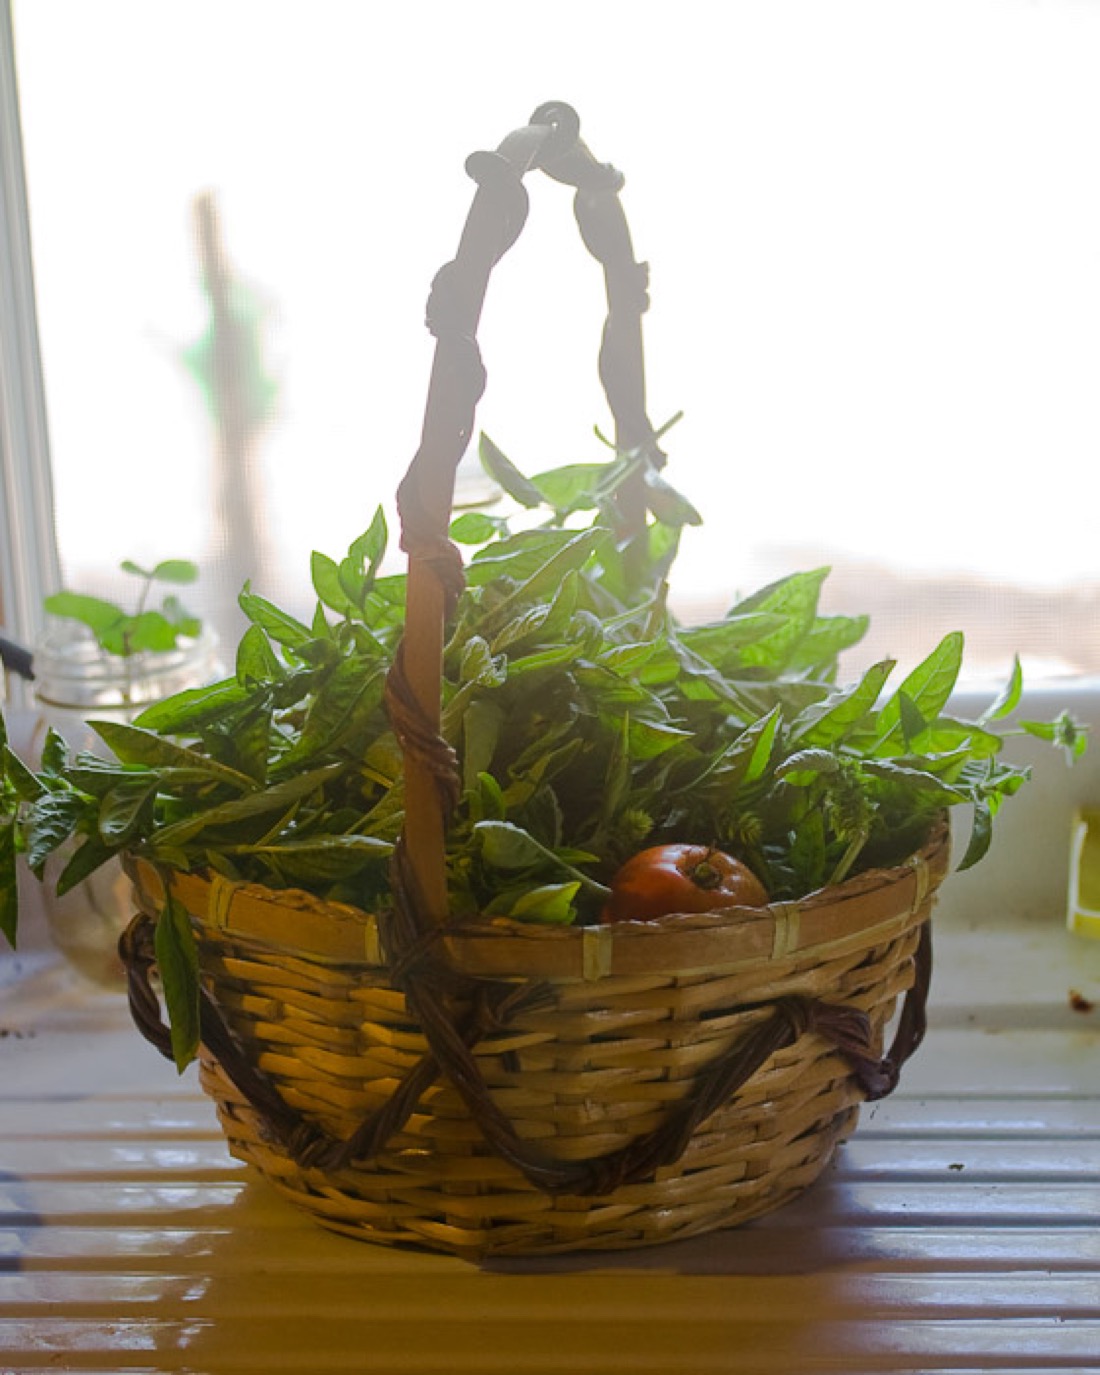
[[582, 1078]]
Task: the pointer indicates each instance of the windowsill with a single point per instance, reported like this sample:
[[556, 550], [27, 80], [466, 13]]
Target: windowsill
[[956, 1229]]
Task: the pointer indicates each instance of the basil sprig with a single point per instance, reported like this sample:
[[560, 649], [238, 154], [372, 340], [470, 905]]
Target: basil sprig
[[587, 723]]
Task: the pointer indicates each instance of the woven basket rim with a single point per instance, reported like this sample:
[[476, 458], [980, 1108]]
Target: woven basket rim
[[327, 932]]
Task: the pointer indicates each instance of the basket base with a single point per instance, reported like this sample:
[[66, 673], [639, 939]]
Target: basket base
[[401, 1201]]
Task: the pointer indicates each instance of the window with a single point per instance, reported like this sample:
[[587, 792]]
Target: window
[[28, 559], [875, 243]]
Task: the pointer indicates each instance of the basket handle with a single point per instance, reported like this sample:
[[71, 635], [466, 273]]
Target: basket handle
[[552, 143]]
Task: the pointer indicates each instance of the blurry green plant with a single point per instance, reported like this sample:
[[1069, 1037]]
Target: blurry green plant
[[123, 632]]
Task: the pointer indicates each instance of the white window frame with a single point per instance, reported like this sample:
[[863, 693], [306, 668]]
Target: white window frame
[[29, 563]]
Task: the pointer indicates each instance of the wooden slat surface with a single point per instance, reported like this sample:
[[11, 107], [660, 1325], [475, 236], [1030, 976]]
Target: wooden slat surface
[[959, 1231]]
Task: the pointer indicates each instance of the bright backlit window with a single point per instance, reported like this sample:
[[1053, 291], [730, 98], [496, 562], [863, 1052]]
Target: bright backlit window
[[874, 233]]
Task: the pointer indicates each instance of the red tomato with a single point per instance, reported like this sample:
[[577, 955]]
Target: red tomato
[[680, 878]]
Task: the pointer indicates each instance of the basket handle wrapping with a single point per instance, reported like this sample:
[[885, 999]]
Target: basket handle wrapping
[[551, 141]]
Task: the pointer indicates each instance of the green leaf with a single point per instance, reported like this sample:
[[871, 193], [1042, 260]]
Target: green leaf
[[928, 687], [89, 856], [843, 711], [507, 846], [52, 820], [536, 559], [126, 808], [1063, 731], [522, 627], [343, 705], [551, 754], [744, 760], [654, 663], [612, 694], [913, 725], [55, 755], [354, 582], [572, 487], [564, 607], [257, 662], [504, 472], [946, 734], [1000, 782], [543, 659], [260, 803], [176, 570], [247, 746], [1009, 699], [615, 784], [283, 628], [178, 964], [369, 549], [135, 745], [662, 543], [181, 619], [123, 634], [981, 834], [319, 625], [481, 727], [550, 902], [720, 642], [757, 743], [808, 855], [807, 766], [151, 633], [915, 781], [477, 527], [193, 708], [325, 575], [650, 739], [666, 502], [318, 653], [827, 637], [386, 601], [322, 858], [98, 615], [23, 782], [794, 599], [479, 664], [493, 807], [90, 774]]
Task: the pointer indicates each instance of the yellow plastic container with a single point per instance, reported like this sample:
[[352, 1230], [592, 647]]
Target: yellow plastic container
[[1083, 914]]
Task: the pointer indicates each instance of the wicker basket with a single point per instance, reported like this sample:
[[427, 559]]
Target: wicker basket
[[626, 1066], [497, 1087]]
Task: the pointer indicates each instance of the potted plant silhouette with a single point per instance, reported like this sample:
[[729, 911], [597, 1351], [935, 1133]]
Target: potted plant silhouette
[[100, 658]]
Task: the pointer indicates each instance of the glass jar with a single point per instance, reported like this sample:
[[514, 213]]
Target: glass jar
[[76, 681]]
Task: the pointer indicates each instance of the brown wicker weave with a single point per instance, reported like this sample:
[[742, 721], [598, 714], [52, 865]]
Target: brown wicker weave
[[499, 1087], [631, 1026]]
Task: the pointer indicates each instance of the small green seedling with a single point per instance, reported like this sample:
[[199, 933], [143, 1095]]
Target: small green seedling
[[121, 632]]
